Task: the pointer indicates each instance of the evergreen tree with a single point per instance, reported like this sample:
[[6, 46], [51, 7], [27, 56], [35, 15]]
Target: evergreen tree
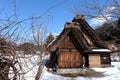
[[49, 39]]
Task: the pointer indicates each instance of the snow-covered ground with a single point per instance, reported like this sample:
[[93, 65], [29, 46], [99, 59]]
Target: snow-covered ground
[[110, 73], [30, 64], [27, 66]]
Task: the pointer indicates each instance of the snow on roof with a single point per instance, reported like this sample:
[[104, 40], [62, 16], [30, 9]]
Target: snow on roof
[[51, 42], [101, 50]]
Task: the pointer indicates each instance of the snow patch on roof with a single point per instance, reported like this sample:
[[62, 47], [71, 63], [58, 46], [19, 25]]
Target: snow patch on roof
[[101, 50], [51, 42]]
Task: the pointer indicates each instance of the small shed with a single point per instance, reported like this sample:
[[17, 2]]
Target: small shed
[[99, 58], [78, 45]]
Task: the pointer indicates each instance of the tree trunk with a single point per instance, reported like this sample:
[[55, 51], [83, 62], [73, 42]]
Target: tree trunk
[[39, 72]]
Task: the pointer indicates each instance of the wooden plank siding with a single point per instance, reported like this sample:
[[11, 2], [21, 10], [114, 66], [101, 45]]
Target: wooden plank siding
[[98, 59], [94, 60], [70, 60], [68, 55]]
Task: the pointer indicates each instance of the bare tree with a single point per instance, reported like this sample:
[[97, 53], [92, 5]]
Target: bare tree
[[14, 31], [39, 35], [108, 10]]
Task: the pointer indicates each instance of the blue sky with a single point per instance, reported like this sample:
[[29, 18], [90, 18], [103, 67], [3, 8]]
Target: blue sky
[[55, 17]]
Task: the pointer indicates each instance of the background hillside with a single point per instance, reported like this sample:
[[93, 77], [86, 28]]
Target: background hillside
[[110, 32]]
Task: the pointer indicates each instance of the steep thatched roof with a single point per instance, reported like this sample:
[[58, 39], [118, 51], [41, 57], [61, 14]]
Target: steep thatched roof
[[85, 27], [78, 30]]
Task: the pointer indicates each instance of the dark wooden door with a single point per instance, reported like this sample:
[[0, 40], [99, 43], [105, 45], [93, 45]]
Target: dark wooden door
[[70, 59]]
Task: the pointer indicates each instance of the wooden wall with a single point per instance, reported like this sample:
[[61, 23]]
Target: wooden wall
[[94, 60], [68, 55], [98, 59]]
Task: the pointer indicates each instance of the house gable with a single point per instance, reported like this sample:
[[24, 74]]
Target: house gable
[[70, 53], [76, 44], [74, 34]]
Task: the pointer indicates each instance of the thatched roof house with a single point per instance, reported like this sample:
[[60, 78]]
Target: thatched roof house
[[77, 45]]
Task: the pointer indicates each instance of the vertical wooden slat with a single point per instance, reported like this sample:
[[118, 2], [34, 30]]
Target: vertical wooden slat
[[65, 57], [69, 57], [59, 61], [76, 58], [70, 60]]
